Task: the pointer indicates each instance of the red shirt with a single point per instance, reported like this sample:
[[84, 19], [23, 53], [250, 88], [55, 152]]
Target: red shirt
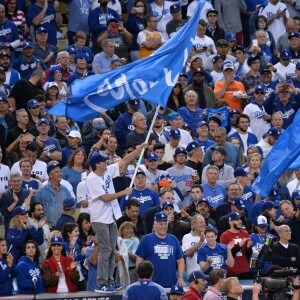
[[192, 294], [240, 261]]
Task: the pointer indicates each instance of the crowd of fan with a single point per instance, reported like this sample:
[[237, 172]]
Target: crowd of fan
[[192, 206]]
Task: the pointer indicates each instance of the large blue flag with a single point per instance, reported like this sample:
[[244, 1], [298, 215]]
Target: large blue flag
[[151, 78], [285, 151]]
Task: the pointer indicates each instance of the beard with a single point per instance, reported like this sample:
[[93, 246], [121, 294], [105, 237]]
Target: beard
[[237, 227]]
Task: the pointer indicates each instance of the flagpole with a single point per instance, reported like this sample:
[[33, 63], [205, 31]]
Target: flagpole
[[143, 150]]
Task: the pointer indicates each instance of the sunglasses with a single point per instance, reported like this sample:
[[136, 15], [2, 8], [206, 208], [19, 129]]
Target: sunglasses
[[259, 93]]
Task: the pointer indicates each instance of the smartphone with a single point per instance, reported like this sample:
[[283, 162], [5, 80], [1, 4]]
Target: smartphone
[[285, 86], [255, 43], [164, 183]]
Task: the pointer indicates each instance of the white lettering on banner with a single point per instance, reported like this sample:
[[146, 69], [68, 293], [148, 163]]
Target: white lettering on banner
[[288, 113], [5, 31], [163, 251]]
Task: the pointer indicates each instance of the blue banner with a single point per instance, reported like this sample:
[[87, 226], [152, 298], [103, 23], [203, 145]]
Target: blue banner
[[151, 78], [284, 152]]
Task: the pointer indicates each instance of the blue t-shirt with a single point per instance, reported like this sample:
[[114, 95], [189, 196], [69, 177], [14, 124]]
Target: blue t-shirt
[[218, 256], [8, 32], [72, 176], [145, 289], [163, 253], [48, 21], [248, 199], [30, 185], [92, 273], [215, 195], [147, 198]]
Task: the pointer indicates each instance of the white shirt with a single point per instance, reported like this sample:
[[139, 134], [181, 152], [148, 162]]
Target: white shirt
[[277, 27], [192, 7], [4, 177], [189, 240], [39, 169], [163, 15], [293, 185], [200, 42], [266, 148], [82, 194], [103, 211], [257, 123], [288, 71]]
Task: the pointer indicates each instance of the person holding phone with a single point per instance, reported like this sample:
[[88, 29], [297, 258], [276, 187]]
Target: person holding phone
[[7, 270]]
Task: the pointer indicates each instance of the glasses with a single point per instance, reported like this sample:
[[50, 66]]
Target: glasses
[[259, 93], [284, 92], [36, 107]]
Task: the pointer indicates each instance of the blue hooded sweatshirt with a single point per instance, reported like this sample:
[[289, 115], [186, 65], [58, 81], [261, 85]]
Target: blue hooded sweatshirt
[[6, 274]]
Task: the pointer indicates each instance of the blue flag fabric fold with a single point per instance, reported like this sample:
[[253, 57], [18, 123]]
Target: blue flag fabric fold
[[284, 152], [151, 78]]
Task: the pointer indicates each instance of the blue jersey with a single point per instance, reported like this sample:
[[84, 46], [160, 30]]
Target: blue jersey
[[92, 273], [206, 144], [248, 199], [163, 253], [218, 256], [192, 118], [147, 198], [8, 32], [215, 195], [257, 243], [30, 185], [48, 21], [25, 68], [6, 275], [144, 290]]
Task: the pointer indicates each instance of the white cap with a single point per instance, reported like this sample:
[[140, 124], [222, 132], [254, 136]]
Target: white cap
[[261, 221], [50, 84], [74, 134]]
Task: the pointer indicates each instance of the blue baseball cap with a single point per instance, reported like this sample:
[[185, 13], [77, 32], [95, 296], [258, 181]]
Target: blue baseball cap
[[230, 37], [56, 240], [175, 133], [251, 59], [235, 112], [201, 123], [160, 217], [166, 204], [233, 216], [32, 103], [19, 210], [152, 156], [52, 165], [27, 45], [180, 150], [173, 116], [261, 221], [97, 158], [71, 49], [212, 11], [240, 172], [211, 228], [294, 34], [296, 194], [265, 71], [175, 8], [267, 205], [219, 149], [203, 200], [285, 54], [274, 132], [274, 194], [80, 55], [42, 120], [192, 145], [160, 115], [239, 47], [216, 57], [238, 203], [69, 202], [135, 103], [197, 275], [177, 289], [41, 29], [259, 88]]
